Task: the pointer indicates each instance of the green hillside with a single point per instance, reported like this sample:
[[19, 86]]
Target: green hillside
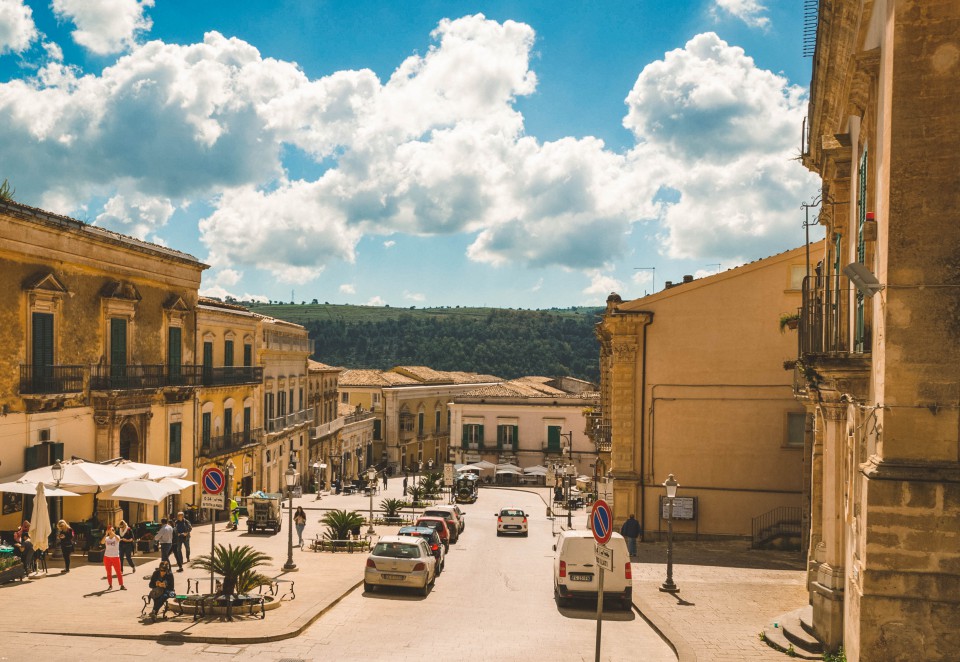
[[502, 342]]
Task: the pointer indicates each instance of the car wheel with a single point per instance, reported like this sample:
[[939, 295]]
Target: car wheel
[[368, 588], [425, 591], [526, 533], [499, 533]]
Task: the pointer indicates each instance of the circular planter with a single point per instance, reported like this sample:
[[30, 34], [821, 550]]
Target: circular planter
[[220, 608]]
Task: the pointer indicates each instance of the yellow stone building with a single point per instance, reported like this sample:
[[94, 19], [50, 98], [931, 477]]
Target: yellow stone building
[[693, 383], [229, 404], [880, 350], [324, 435], [98, 359]]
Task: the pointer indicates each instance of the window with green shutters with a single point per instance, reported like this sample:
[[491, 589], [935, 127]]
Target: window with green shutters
[[377, 429], [118, 347], [207, 362], [247, 422], [206, 426], [247, 355], [436, 421], [228, 421], [553, 437], [176, 432], [472, 436], [42, 350], [420, 424], [507, 437], [174, 351], [228, 354], [859, 331]]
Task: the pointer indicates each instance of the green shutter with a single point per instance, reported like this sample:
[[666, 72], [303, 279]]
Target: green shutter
[[516, 437], [553, 437], [420, 424], [176, 435], [205, 439], [118, 347], [500, 432], [35, 457], [464, 438], [42, 343], [480, 436], [376, 429], [228, 353], [174, 354], [248, 355], [228, 421]]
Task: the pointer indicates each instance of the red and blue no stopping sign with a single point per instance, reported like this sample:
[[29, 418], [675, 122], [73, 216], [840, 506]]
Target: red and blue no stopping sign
[[602, 521], [213, 480]]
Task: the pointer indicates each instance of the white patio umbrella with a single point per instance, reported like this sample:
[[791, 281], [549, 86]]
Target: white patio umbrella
[[83, 477], [153, 471], [140, 491], [23, 487], [469, 467], [536, 469], [483, 464], [40, 520], [509, 471], [511, 467], [176, 484]]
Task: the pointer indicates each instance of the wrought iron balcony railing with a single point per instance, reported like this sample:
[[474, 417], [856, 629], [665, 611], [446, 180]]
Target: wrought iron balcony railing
[[123, 377], [824, 320], [51, 379], [289, 420], [229, 443]]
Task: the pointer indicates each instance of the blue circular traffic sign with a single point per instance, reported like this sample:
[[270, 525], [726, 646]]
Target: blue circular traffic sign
[[601, 521], [213, 480]]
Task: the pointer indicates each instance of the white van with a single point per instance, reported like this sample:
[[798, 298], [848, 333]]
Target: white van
[[576, 573]]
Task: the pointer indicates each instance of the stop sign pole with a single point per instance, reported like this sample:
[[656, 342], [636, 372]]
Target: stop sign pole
[[601, 522]]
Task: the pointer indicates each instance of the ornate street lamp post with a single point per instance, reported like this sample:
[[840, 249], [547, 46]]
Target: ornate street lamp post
[[671, 486], [57, 471], [371, 486], [291, 478]]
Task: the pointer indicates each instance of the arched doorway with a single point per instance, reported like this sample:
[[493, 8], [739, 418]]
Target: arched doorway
[[129, 450]]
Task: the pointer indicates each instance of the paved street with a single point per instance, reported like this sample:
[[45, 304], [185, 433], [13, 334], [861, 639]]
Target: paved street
[[494, 601]]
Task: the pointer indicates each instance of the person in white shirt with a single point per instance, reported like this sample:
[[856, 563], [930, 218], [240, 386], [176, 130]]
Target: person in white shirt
[[165, 539], [111, 557]]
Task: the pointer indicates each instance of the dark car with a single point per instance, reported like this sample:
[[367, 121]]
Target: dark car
[[433, 541], [440, 525]]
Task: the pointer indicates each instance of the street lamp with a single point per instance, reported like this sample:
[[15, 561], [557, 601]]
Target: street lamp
[[57, 471], [568, 472], [671, 486], [316, 477], [291, 477], [371, 484]]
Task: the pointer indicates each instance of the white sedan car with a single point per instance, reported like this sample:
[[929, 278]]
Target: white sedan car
[[511, 520], [403, 561]]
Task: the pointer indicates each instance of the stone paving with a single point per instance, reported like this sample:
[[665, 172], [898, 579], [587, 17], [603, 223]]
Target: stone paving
[[727, 594]]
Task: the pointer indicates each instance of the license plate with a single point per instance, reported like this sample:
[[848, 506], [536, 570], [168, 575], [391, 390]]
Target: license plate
[[395, 577], [581, 577], [511, 526]]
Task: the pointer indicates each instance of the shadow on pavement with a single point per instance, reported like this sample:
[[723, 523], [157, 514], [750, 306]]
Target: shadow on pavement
[[723, 553], [583, 612]]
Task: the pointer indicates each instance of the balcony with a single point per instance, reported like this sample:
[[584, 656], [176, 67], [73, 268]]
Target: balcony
[[550, 449], [51, 379], [227, 444], [132, 377], [229, 375], [598, 429], [281, 423]]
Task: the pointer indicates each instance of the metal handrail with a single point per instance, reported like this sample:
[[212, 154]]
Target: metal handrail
[[49, 379], [228, 443], [781, 521], [824, 320]]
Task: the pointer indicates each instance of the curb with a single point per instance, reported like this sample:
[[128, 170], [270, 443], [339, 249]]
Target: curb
[[683, 650]]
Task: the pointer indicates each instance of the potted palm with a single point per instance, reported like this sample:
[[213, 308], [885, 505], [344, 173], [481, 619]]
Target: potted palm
[[340, 524], [391, 510], [238, 567]]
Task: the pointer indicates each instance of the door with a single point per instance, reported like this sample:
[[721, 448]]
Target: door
[[42, 357], [174, 354], [118, 352]]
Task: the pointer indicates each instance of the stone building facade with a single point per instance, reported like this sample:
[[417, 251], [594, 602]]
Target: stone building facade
[[693, 383], [880, 348]]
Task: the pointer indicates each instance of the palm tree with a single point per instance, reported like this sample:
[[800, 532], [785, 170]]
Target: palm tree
[[416, 494], [340, 523], [392, 507], [238, 567], [430, 483]]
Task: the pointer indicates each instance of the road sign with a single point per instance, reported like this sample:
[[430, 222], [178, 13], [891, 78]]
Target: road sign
[[601, 521], [448, 474], [213, 481], [215, 501], [605, 557]]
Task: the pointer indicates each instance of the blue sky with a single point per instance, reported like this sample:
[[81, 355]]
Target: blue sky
[[514, 154]]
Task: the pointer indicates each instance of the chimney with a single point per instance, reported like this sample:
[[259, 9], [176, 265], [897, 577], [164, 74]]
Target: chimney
[[668, 285], [688, 279]]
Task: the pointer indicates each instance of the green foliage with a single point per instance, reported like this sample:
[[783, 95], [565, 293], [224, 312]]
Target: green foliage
[[392, 507], [6, 191], [237, 565], [500, 342], [339, 523], [416, 494], [839, 656], [430, 484]]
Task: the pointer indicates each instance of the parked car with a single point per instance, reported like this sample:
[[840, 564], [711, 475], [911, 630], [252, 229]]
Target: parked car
[[403, 561], [447, 513], [433, 540], [512, 520], [440, 524], [576, 573]]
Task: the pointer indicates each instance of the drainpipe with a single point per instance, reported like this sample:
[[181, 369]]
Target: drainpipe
[[643, 418]]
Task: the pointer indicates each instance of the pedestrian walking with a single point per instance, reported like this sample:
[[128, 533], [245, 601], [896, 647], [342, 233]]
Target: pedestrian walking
[[631, 531], [234, 517], [165, 539], [300, 521], [384, 480], [181, 539], [65, 538], [404, 486], [24, 546], [126, 544], [111, 558]]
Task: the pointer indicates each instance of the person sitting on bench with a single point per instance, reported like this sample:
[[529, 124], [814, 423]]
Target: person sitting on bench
[[161, 587]]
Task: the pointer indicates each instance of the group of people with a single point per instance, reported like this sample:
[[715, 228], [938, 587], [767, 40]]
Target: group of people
[[174, 536]]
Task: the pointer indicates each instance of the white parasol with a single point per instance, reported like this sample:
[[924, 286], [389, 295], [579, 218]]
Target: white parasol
[[508, 467], [140, 491], [153, 471], [176, 484], [483, 464], [23, 487], [40, 521], [537, 469], [469, 467], [83, 477]]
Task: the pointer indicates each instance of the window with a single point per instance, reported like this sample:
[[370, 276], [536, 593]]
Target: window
[[282, 404], [375, 399], [228, 421], [553, 438], [376, 429], [797, 273], [472, 436], [420, 424], [436, 421], [176, 434], [207, 362], [300, 399], [507, 436], [206, 423], [228, 353], [345, 398], [291, 400], [247, 422], [859, 332], [42, 346], [174, 351], [118, 346], [268, 405], [247, 355], [796, 429]]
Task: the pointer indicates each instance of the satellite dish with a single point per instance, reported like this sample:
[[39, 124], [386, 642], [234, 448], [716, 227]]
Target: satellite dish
[[862, 278]]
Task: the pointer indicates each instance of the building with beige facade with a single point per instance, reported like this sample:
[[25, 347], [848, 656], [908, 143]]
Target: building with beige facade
[[411, 423], [99, 359], [694, 383], [880, 355], [526, 422], [324, 437]]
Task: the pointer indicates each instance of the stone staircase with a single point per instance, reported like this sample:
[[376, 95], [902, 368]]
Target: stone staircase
[[793, 631]]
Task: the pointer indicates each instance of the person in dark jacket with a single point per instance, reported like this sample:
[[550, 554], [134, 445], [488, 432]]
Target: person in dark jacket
[[631, 531], [161, 587], [126, 544], [65, 537]]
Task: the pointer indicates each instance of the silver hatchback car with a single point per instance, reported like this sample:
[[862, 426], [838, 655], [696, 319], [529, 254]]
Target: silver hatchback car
[[403, 561]]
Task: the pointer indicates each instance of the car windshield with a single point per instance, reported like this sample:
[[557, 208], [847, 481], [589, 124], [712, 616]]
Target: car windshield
[[511, 513], [396, 550], [433, 525], [438, 513]]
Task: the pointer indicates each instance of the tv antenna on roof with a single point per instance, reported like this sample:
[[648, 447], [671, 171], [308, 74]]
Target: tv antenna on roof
[[653, 279]]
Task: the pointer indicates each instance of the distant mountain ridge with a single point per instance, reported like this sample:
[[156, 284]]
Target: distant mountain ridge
[[503, 342]]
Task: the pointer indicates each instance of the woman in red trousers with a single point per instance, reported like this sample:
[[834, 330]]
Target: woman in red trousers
[[111, 557]]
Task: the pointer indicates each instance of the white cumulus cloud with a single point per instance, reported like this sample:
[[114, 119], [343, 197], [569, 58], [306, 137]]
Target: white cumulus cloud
[[376, 301], [601, 285], [135, 214], [17, 29], [105, 26], [413, 296], [748, 11], [390, 243], [348, 288]]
